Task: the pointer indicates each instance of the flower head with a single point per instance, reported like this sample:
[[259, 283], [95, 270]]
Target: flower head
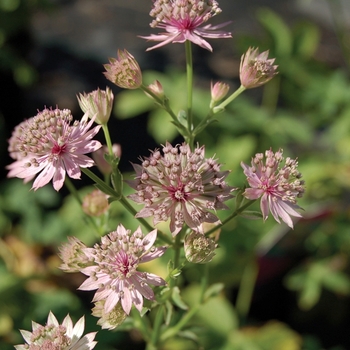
[[180, 185], [108, 320], [95, 203], [218, 91], [256, 69], [97, 103], [51, 145], [73, 256], [278, 187], [124, 71], [182, 19], [57, 336], [199, 249], [114, 272]]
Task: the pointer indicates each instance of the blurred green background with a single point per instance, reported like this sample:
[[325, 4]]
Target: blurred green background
[[52, 50]]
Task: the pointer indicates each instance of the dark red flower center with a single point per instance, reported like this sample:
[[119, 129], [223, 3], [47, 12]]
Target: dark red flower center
[[58, 149], [178, 193]]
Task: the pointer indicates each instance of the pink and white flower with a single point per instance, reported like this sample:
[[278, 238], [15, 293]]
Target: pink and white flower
[[181, 185], [50, 145], [181, 20], [58, 336], [278, 187], [256, 68], [114, 272]]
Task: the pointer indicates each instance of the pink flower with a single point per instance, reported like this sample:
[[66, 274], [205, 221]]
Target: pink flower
[[256, 69], [180, 185], [50, 145], [57, 336], [278, 187], [182, 19], [114, 272], [124, 71]]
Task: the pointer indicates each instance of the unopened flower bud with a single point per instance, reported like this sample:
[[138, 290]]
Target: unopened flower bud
[[95, 203], [73, 256], [108, 320], [97, 103], [256, 69], [157, 89], [199, 249], [124, 71], [218, 91], [101, 162]]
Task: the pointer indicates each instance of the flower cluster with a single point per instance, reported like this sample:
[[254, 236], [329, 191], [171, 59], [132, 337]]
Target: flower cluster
[[97, 104], [256, 69], [182, 20], [114, 269], [51, 145], [124, 71], [57, 336], [278, 187], [181, 185]]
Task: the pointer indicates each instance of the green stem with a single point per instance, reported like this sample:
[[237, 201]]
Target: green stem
[[223, 104], [189, 70], [246, 289], [164, 103], [75, 194], [108, 139], [141, 325], [109, 190], [172, 331], [157, 326], [233, 215]]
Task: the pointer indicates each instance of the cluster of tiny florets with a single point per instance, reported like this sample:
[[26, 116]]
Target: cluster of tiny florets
[[183, 10], [114, 269], [181, 185], [279, 187], [53, 144]]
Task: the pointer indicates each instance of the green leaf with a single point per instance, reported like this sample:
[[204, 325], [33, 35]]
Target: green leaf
[[176, 297], [306, 39], [278, 29], [213, 290]]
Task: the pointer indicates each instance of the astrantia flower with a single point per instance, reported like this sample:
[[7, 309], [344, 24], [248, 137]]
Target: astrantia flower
[[198, 248], [57, 336], [180, 185], [73, 255], [108, 320], [95, 203], [98, 104], [279, 187], [256, 69], [182, 19], [124, 71], [51, 145], [114, 272]]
